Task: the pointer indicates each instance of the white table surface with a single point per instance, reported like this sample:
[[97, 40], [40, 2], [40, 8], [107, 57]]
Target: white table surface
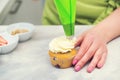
[[30, 60]]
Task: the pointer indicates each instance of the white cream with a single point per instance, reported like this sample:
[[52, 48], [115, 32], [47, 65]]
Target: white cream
[[61, 44]]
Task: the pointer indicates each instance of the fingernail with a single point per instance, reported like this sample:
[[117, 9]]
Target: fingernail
[[90, 70], [99, 65], [77, 68], [74, 62]]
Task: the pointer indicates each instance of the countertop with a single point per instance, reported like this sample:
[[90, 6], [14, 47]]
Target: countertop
[[30, 59]]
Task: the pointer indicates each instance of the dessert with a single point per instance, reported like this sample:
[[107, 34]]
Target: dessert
[[62, 52]]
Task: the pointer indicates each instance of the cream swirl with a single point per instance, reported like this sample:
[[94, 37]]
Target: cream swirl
[[61, 44]]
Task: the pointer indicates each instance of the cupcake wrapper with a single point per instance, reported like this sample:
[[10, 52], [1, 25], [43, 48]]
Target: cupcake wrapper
[[62, 60]]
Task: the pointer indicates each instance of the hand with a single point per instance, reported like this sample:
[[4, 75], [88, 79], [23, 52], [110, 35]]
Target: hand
[[93, 42], [92, 48], [2, 41]]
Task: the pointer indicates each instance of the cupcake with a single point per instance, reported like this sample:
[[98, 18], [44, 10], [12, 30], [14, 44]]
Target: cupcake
[[62, 52]]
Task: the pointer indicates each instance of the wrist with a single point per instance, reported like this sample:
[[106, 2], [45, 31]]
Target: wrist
[[108, 32], [110, 26]]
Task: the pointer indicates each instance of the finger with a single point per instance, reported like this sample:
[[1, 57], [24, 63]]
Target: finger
[[2, 44], [79, 40], [83, 48], [87, 56], [2, 40], [95, 60], [102, 60]]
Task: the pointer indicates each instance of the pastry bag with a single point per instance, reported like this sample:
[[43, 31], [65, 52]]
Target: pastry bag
[[67, 10]]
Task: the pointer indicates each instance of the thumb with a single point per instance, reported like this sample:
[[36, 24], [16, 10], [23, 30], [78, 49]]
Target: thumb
[[79, 40]]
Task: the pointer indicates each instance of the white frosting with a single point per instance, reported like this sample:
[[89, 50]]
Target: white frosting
[[61, 44]]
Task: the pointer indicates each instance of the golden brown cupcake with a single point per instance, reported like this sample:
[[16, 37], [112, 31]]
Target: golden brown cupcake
[[62, 52]]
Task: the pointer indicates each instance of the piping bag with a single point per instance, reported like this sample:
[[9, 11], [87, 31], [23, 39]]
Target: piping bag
[[67, 10]]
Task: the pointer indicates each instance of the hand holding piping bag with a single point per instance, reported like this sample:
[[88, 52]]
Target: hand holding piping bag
[[67, 10]]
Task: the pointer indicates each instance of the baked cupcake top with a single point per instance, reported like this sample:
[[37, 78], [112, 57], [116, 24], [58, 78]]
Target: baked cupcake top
[[61, 44]]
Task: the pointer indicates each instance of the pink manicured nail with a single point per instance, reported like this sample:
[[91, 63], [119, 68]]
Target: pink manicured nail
[[90, 70], [74, 62], [77, 68], [99, 65]]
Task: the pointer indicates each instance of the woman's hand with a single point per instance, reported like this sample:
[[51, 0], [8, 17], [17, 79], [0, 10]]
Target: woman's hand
[[92, 48], [93, 42]]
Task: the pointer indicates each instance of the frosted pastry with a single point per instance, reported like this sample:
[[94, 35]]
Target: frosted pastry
[[62, 52]]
